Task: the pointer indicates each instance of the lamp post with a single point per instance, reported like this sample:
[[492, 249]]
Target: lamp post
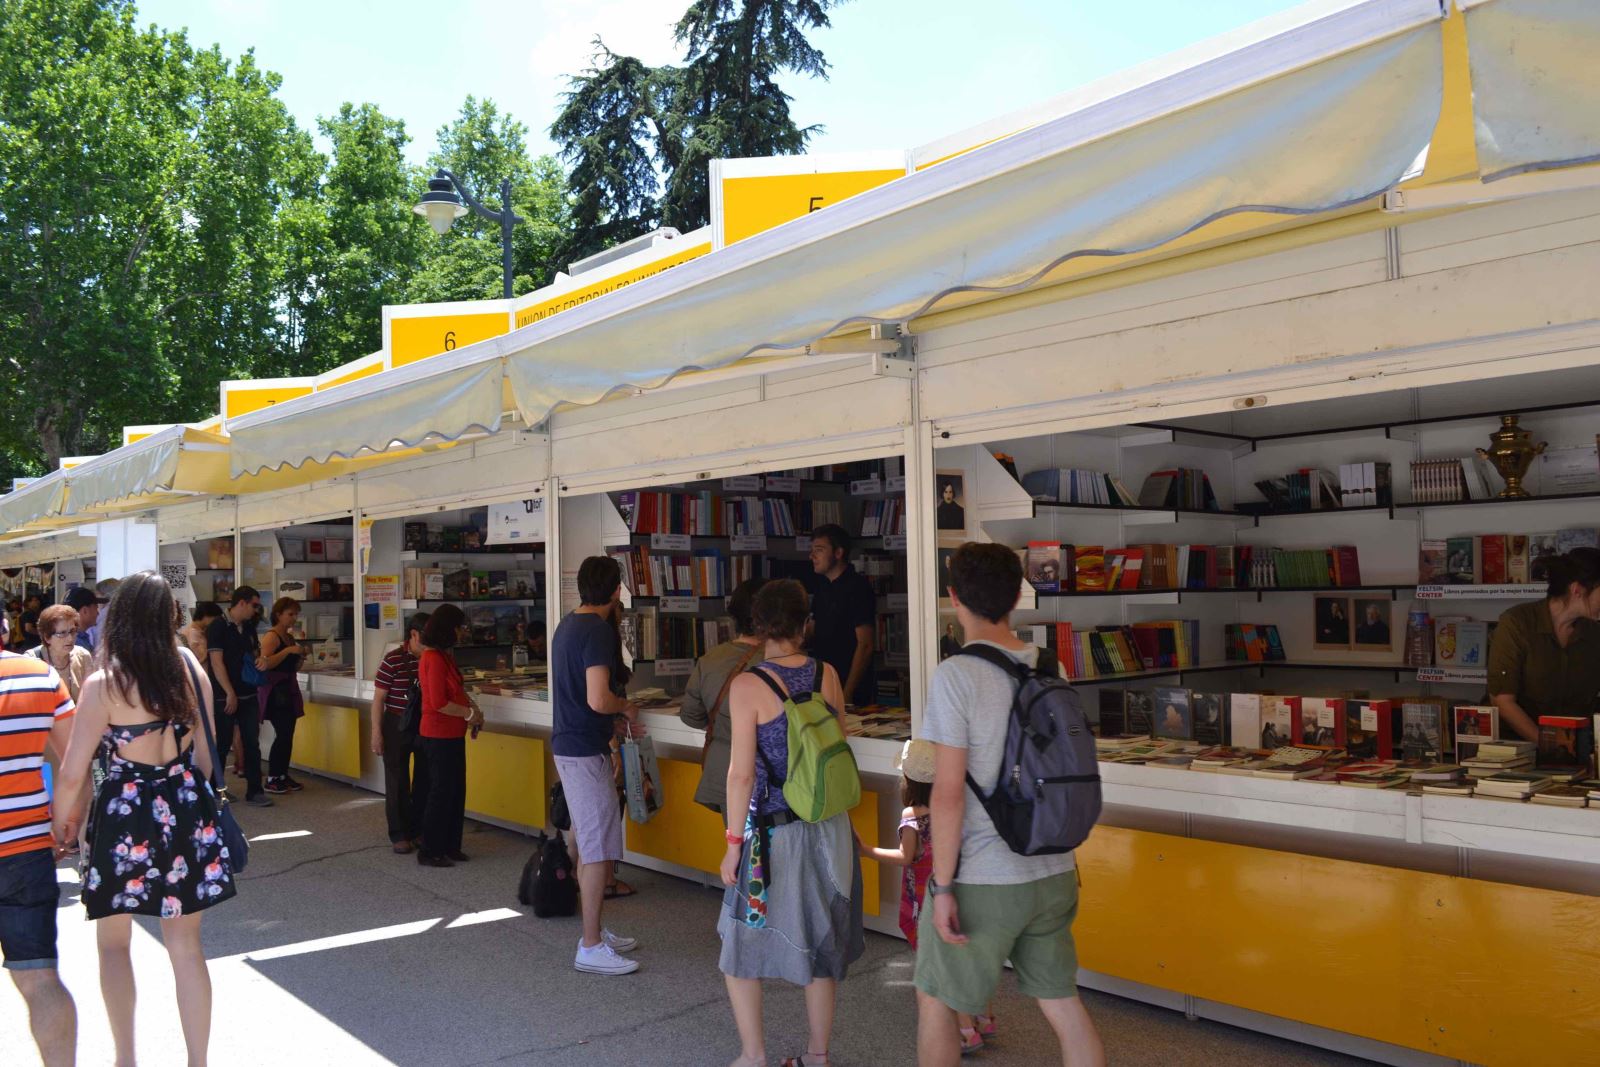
[[442, 204]]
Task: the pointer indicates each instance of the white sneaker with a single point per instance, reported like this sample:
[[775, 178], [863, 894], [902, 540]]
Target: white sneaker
[[618, 943], [602, 959]]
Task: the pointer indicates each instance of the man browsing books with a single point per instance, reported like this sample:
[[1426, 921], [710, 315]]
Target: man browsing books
[[844, 614], [989, 904]]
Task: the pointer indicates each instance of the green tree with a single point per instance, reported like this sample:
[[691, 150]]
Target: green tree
[[639, 140], [140, 195], [482, 147], [351, 242]]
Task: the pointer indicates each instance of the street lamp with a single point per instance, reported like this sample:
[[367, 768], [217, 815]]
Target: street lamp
[[442, 204]]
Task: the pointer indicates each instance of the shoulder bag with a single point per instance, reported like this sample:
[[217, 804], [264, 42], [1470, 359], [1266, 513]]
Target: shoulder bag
[[722, 695], [232, 837]]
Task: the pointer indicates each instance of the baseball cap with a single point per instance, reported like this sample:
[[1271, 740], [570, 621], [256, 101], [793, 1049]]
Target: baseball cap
[[82, 597], [916, 760]]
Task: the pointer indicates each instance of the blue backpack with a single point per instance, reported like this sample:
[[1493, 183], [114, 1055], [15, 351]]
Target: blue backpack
[[1048, 796]]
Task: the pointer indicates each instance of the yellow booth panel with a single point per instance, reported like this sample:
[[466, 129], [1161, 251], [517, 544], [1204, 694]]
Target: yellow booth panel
[[689, 835], [419, 337], [756, 204], [328, 739], [1470, 970], [505, 778]]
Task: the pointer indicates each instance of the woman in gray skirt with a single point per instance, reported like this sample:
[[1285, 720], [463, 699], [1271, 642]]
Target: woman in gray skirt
[[793, 905]]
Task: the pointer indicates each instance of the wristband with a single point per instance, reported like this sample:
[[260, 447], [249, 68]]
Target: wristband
[[937, 890], [732, 838]]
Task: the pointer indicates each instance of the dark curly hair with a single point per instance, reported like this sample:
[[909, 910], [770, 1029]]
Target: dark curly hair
[[139, 649]]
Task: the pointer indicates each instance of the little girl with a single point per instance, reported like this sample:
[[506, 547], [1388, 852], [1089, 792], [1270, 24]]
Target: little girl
[[915, 854]]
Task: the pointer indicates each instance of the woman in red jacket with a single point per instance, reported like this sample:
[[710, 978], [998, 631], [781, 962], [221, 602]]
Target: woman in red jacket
[[447, 713]]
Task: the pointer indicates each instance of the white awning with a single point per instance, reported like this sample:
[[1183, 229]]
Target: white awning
[[1535, 89], [1312, 111], [42, 498], [149, 466], [438, 399], [1316, 117]]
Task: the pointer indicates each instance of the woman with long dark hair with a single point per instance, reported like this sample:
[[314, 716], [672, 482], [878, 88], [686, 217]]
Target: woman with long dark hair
[[279, 697], [447, 713], [154, 844]]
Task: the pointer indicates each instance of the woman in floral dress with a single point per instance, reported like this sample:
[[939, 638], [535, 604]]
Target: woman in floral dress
[[154, 844]]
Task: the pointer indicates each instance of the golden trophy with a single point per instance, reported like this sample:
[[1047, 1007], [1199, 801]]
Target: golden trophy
[[1512, 453]]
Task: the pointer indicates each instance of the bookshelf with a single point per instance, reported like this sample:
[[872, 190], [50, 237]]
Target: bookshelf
[[1236, 451]]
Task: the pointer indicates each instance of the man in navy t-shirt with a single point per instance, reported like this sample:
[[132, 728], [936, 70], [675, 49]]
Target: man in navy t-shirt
[[585, 662]]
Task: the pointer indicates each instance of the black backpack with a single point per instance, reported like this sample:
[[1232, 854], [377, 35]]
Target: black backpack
[[1048, 796], [549, 884]]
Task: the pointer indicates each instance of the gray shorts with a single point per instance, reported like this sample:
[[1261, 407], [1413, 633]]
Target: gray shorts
[[592, 800]]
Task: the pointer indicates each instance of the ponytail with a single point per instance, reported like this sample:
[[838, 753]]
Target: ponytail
[[1581, 565]]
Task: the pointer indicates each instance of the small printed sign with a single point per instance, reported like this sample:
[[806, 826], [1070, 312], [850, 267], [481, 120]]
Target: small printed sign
[[671, 542], [866, 487], [1451, 674], [1479, 592], [750, 543], [897, 484], [680, 605], [894, 541], [674, 666], [746, 483], [802, 544], [782, 484]]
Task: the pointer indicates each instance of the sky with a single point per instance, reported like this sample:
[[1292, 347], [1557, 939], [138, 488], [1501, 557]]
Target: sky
[[904, 72]]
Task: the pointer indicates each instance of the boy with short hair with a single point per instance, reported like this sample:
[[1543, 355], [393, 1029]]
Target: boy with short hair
[[986, 903]]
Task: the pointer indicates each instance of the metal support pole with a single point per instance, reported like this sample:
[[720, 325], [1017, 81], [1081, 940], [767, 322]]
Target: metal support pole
[[507, 218]]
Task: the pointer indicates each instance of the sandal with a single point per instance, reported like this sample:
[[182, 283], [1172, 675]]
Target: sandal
[[971, 1041], [800, 1060], [617, 890], [986, 1026]]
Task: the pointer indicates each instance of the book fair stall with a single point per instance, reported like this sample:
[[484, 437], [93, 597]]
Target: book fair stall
[[1276, 363]]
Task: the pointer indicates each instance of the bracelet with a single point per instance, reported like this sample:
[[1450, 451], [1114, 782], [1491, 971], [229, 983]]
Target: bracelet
[[732, 838], [937, 890]]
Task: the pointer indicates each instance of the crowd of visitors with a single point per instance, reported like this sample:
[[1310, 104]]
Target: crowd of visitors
[[141, 707]]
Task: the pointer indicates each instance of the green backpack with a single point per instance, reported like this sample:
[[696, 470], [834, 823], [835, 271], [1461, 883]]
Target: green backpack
[[822, 779]]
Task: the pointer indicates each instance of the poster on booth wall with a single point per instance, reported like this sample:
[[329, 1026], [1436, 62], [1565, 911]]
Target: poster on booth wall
[[518, 522], [364, 543], [256, 566], [383, 602]]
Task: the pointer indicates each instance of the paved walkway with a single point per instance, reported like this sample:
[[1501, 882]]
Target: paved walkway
[[337, 951]]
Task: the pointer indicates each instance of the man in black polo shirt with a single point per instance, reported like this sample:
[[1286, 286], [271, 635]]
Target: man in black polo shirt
[[844, 614], [230, 643]]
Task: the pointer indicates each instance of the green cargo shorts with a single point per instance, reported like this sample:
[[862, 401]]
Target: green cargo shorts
[[1029, 923]]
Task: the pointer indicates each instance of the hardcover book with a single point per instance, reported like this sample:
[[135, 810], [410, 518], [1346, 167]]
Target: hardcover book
[[1044, 569], [1244, 719], [1174, 717], [1321, 720], [1208, 725], [1112, 719], [1541, 546], [1277, 721], [1433, 566], [1368, 729], [1140, 711], [1494, 559], [1561, 743], [1422, 734], [1089, 570], [1517, 559], [1460, 559]]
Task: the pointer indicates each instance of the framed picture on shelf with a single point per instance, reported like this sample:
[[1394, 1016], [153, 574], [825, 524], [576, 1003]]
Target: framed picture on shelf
[[945, 555], [1331, 623], [1373, 629], [951, 637], [950, 495]]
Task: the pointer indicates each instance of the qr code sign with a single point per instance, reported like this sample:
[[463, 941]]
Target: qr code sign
[[176, 574]]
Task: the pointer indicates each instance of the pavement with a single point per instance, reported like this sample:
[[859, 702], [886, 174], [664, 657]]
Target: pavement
[[337, 951]]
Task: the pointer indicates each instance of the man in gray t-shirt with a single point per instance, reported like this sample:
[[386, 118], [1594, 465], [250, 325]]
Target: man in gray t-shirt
[[986, 903]]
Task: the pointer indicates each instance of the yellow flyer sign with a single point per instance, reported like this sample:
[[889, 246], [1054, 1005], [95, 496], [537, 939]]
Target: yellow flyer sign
[[383, 602]]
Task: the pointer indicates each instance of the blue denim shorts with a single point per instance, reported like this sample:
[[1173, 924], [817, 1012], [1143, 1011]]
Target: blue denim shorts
[[28, 902]]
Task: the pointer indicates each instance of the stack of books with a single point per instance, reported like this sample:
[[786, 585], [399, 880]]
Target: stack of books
[[1513, 785], [1252, 643], [1308, 489], [1496, 757], [1562, 796], [1065, 485], [1181, 487], [1445, 481], [1220, 756], [1445, 779]]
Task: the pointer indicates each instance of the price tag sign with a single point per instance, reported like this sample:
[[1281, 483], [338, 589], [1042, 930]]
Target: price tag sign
[[897, 484], [680, 605], [802, 544], [674, 666], [894, 541], [1451, 674], [781, 484], [866, 487], [1430, 592], [748, 483], [750, 543], [671, 542], [898, 601]]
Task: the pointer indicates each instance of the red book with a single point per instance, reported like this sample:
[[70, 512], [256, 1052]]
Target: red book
[[1494, 559], [1132, 567], [1066, 651], [1347, 565], [1148, 643]]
